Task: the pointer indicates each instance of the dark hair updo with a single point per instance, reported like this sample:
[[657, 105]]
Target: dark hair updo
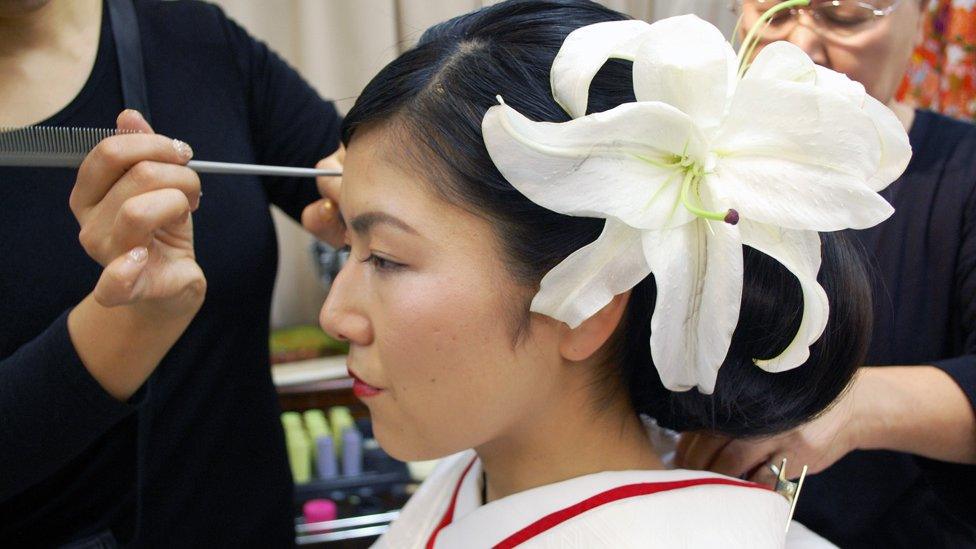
[[436, 95]]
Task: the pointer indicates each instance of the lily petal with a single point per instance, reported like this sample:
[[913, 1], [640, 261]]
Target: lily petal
[[587, 280], [795, 195], [699, 288], [896, 151], [841, 84], [788, 62], [798, 157], [782, 61], [785, 61], [582, 55], [798, 251], [686, 62], [607, 164], [800, 122]]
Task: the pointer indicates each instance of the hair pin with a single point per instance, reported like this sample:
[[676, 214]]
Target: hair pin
[[787, 488]]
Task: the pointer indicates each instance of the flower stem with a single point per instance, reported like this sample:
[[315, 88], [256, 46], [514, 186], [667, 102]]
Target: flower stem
[[749, 44], [735, 31]]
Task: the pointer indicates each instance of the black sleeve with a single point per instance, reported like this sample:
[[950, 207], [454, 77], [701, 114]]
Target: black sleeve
[[291, 124], [962, 369], [51, 409], [948, 479]]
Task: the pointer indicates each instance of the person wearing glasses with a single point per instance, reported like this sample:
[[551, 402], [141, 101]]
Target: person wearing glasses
[[893, 459]]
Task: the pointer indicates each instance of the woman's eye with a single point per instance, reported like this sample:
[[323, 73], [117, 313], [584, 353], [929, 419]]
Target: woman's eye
[[382, 264]]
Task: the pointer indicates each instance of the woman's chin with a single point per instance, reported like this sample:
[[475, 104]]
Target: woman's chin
[[402, 447]]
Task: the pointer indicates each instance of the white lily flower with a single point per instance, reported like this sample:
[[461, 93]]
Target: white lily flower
[[705, 161]]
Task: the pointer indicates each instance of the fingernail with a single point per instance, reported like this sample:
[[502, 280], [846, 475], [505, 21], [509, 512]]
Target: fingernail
[[138, 255], [327, 208], [183, 149], [196, 203], [134, 112]]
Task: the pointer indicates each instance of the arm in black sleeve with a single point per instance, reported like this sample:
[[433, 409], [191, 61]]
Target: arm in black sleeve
[[291, 123], [51, 409], [962, 369], [949, 478]]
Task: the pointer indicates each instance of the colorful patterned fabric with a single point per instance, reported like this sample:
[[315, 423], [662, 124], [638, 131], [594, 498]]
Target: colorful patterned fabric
[[942, 74]]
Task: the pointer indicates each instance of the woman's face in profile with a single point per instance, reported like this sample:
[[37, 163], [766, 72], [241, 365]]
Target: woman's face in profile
[[14, 8], [429, 310], [876, 56]]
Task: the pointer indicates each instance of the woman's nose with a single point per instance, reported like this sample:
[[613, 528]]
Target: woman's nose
[[341, 317]]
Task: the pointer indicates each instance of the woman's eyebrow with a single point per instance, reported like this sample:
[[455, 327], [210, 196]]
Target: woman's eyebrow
[[363, 223]]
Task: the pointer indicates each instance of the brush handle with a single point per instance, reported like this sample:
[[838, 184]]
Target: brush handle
[[199, 166]]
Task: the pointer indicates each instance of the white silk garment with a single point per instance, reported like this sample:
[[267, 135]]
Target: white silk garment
[[620, 509]]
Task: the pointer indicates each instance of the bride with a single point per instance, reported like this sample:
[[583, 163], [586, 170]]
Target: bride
[[562, 223]]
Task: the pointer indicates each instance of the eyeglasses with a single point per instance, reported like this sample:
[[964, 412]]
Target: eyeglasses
[[832, 19]]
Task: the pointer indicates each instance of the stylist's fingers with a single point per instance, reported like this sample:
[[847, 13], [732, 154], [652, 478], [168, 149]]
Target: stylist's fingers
[[699, 452], [113, 157], [740, 457], [121, 281], [149, 176], [686, 443], [131, 120], [322, 217], [99, 235], [762, 474], [330, 186], [155, 278], [141, 216]]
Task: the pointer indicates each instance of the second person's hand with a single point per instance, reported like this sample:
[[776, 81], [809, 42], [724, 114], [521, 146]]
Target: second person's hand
[[321, 218]]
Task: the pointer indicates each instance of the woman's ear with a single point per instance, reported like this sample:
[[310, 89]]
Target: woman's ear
[[580, 343]]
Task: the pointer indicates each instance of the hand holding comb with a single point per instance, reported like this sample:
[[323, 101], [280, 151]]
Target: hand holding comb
[[57, 147]]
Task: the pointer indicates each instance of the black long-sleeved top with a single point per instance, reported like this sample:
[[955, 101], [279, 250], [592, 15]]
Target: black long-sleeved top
[[199, 459], [923, 261]]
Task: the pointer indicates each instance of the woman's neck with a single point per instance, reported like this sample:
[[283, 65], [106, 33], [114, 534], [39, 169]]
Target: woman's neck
[[52, 25], [46, 56], [567, 439]]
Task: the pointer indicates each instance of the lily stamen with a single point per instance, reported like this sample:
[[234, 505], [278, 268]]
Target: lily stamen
[[691, 178]]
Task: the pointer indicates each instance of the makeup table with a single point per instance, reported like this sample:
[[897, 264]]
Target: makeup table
[[315, 383], [367, 502]]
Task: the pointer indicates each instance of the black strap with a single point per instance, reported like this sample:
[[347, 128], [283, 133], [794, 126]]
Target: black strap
[[128, 48], [132, 74]]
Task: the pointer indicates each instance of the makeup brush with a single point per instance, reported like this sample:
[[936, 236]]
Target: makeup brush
[[56, 147]]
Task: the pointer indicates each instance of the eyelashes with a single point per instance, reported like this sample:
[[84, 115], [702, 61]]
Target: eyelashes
[[379, 263], [382, 264]]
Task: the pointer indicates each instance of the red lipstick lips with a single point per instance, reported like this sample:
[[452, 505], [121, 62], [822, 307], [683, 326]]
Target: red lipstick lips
[[362, 389]]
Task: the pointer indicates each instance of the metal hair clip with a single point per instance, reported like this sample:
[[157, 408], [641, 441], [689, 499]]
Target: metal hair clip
[[786, 487]]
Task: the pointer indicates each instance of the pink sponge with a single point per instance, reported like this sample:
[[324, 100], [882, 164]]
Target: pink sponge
[[319, 510]]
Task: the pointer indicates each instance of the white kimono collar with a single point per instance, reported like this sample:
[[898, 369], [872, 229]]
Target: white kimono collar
[[516, 518]]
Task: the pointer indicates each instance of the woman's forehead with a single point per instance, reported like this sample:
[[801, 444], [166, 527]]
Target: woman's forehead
[[382, 175]]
